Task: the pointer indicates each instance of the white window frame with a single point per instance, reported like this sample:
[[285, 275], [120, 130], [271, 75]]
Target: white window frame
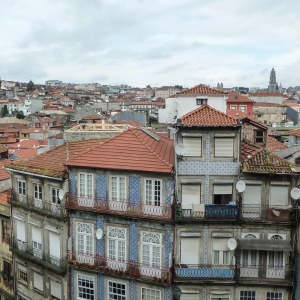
[[248, 295], [151, 248], [21, 187], [222, 260], [201, 101], [197, 141], [34, 281], [149, 194], [216, 151], [145, 296], [36, 245], [83, 184], [116, 238], [84, 288], [24, 271], [233, 106], [118, 196], [85, 236], [273, 297], [243, 107], [54, 192], [111, 293], [37, 191]]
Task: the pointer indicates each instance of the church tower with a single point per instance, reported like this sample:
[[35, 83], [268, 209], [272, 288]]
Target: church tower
[[273, 87]]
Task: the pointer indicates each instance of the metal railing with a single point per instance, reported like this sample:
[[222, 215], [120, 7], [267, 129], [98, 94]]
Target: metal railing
[[39, 205], [211, 211], [23, 249], [267, 273], [208, 272], [126, 208], [278, 213], [123, 268]]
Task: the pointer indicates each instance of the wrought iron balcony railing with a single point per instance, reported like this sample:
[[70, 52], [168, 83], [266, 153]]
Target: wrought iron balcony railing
[[39, 205], [56, 264], [126, 208], [205, 272], [267, 273], [209, 212], [123, 268], [278, 213]]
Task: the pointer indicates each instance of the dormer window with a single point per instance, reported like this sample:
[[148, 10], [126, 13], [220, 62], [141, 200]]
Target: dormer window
[[201, 101], [259, 137]]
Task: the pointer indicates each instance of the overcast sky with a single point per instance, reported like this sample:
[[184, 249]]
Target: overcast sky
[[156, 42]]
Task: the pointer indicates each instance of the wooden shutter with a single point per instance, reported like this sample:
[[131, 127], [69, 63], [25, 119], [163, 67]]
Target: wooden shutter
[[222, 189], [190, 194], [224, 147], [38, 281], [189, 297], [220, 244], [37, 234], [54, 244], [278, 195], [190, 251], [55, 289], [192, 146], [252, 195], [20, 230]]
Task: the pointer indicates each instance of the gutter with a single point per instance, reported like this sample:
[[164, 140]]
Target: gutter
[[33, 174]]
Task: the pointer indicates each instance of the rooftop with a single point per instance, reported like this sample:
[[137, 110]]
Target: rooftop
[[136, 149], [201, 89], [274, 145], [206, 116], [295, 132], [236, 97]]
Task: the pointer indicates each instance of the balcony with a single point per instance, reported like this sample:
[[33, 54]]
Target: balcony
[[39, 206], [128, 269], [124, 208], [267, 213], [208, 212], [205, 272], [267, 275], [37, 256]]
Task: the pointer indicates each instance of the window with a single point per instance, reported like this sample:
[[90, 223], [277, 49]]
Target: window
[[233, 107], [221, 254], [55, 289], [22, 187], [153, 192], [190, 194], [6, 231], [37, 242], [37, 188], [150, 294], [55, 201], [224, 147], [193, 146], [22, 274], [274, 296], [117, 243], [259, 136], [86, 184], [201, 101], [279, 195], [189, 250], [21, 237], [85, 287], [222, 194], [243, 108], [116, 291], [118, 188], [252, 201], [247, 295], [151, 249], [38, 281], [7, 272], [85, 238]]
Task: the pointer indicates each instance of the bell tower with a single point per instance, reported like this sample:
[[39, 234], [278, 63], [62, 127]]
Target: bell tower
[[273, 87]]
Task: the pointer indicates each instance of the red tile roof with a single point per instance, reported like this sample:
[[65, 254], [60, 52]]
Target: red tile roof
[[4, 174], [295, 132], [133, 150], [274, 145], [33, 130], [28, 144], [236, 97], [5, 196], [259, 160], [51, 163], [91, 117], [27, 153], [206, 116], [201, 89]]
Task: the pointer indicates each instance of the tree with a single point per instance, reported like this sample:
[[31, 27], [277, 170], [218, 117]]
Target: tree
[[20, 115], [5, 111]]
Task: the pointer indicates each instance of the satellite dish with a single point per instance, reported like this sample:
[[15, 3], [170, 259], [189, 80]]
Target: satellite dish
[[240, 186], [61, 194], [99, 233], [274, 125], [180, 149], [231, 244], [295, 193]]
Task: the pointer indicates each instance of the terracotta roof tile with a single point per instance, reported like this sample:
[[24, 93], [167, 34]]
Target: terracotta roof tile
[[295, 132], [206, 116], [134, 149], [202, 89], [259, 160], [4, 174], [236, 97], [274, 145], [5, 196], [91, 117], [51, 163]]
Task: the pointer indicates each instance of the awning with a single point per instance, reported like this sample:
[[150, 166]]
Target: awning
[[267, 245]]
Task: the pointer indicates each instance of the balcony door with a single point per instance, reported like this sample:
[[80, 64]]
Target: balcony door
[[38, 195], [118, 194], [249, 261], [37, 243], [22, 191], [151, 254], [251, 208], [153, 197], [276, 262], [54, 248], [56, 207], [86, 192], [85, 243]]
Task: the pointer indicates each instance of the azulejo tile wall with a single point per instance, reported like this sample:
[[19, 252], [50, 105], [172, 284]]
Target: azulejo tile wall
[[133, 290], [100, 242], [101, 186], [135, 189], [72, 182], [168, 293], [168, 245], [169, 191], [100, 287], [133, 240]]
